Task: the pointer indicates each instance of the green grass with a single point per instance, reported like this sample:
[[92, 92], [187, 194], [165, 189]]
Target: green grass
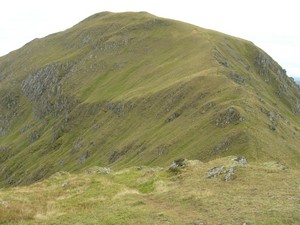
[[157, 196], [125, 75]]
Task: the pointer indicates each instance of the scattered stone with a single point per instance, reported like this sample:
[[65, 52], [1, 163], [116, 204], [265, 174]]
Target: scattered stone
[[272, 127], [219, 57], [172, 117], [34, 136], [114, 157], [118, 154], [84, 157], [3, 131], [237, 78], [214, 172], [60, 173], [262, 100], [99, 170], [241, 160], [77, 145], [275, 166], [292, 198], [65, 184], [176, 165], [230, 173], [230, 116], [271, 116], [4, 203], [178, 162], [138, 168], [222, 146], [105, 170], [207, 107], [225, 64]]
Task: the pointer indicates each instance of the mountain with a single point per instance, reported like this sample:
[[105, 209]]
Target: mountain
[[297, 80], [125, 89]]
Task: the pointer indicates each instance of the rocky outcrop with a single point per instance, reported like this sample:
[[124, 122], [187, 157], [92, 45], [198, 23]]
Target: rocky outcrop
[[177, 165], [9, 109], [229, 116], [229, 175], [172, 117], [237, 78], [215, 172], [44, 89], [241, 160]]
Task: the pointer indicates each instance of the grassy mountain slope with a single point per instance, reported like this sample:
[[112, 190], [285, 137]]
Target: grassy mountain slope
[[158, 196], [123, 89]]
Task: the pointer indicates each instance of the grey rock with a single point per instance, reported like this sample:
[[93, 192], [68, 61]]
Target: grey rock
[[222, 146], [84, 157], [237, 78], [207, 107], [24, 129], [229, 173], [139, 168], [44, 89], [177, 165], [219, 57], [99, 170], [3, 131], [272, 127], [77, 145], [172, 117], [271, 116], [296, 108], [262, 100], [229, 116], [118, 154], [241, 160], [104, 170], [34, 136], [64, 184], [4, 203], [214, 172]]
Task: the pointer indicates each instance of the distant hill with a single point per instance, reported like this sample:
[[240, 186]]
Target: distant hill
[[297, 80], [125, 89]]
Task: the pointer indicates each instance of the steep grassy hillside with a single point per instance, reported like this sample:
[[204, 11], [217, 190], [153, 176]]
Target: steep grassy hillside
[[124, 89], [158, 196]]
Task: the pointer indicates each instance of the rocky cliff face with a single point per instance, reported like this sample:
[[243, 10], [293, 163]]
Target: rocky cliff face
[[131, 89], [44, 90]]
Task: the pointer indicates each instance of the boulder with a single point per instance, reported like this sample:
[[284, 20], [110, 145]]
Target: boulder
[[241, 160], [230, 173], [214, 172], [176, 165], [64, 184]]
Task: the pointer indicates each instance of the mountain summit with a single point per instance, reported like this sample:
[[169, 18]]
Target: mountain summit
[[121, 89]]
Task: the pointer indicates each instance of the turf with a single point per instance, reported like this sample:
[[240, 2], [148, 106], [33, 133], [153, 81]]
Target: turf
[[154, 195]]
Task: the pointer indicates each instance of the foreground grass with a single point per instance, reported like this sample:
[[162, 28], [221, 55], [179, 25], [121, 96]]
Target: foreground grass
[[260, 194]]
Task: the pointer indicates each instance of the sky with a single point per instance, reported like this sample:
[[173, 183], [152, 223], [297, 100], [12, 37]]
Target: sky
[[272, 25]]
